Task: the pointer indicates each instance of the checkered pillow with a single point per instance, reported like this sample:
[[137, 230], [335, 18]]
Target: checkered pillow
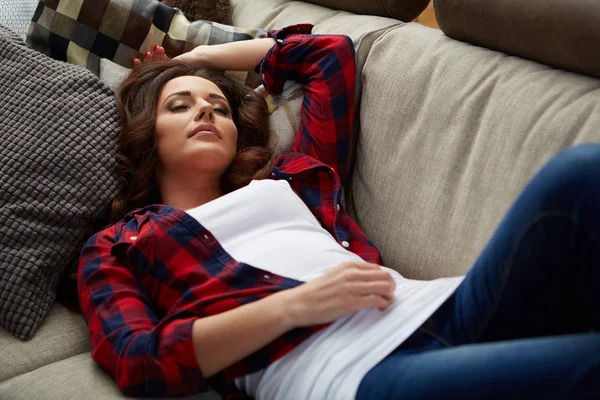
[[84, 31]]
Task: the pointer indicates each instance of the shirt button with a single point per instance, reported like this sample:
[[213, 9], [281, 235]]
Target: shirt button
[[206, 236], [289, 178], [133, 238], [339, 207], [279, 41], [345, 244], [272, 173], [267, 276]]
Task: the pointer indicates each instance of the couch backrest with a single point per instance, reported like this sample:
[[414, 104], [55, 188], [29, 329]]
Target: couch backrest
[[450, 134]]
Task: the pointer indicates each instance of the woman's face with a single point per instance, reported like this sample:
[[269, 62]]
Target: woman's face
[[194, 129]]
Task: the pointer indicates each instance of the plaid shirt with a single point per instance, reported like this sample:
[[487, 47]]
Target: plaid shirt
[[145, 280]]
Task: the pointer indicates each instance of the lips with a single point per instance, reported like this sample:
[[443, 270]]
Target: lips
[[204, 128]]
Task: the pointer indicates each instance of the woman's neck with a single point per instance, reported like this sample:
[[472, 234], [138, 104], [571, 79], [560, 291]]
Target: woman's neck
[[190, 192]]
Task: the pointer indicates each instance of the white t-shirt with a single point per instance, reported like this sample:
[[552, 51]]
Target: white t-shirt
[[265, 224]]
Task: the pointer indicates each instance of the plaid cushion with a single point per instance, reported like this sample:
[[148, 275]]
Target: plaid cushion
[[84, 31]]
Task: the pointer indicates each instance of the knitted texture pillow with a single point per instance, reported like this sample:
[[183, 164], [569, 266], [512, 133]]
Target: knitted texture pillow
[[59, 135]]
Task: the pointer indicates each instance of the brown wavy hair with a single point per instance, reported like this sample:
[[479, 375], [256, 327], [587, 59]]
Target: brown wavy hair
[[137, 100]]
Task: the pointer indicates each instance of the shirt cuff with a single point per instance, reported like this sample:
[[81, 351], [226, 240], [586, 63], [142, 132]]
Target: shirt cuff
[[281, 34], [271, 76]]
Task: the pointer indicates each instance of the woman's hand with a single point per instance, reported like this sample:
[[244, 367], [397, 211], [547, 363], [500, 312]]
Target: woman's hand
[[347, 288], [157, 54]]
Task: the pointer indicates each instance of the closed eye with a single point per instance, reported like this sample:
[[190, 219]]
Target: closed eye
[[178, 107], [223, 111]]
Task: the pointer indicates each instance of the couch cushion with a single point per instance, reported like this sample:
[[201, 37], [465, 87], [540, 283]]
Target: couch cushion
[[250, 13], [450, 134], [404, 10], [62, 334], [78, 377], [267, 14], [561, 33]]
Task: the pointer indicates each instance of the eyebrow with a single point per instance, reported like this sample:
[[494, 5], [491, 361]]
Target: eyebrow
[[188, 93]]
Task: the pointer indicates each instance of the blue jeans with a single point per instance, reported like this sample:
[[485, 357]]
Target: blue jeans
[[524, 323]]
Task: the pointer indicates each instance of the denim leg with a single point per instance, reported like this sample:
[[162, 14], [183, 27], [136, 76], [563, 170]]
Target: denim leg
[[539, 275], [540, 272], [549, 368]]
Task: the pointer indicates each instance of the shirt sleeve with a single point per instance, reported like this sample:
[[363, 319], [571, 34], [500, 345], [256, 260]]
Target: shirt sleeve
[[147, 355], [326, 66]]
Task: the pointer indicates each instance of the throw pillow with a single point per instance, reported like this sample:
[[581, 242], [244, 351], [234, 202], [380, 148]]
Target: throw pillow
[[84, 31], [284, 109], [59, 135]]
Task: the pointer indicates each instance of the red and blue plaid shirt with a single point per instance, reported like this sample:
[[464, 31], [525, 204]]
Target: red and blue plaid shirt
[[145, 280]]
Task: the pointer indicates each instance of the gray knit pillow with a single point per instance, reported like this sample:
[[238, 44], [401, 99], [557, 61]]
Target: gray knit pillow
[[58, 133]]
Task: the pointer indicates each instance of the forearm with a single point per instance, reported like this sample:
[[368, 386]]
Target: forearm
[[242, 55], [223, 339]]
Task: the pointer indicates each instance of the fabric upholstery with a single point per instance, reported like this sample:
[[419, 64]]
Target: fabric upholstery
[[62, 334], [83, 32], [59, 135], [363, 30], [78, 377], [561, 33], [450, 134], [403, 10]]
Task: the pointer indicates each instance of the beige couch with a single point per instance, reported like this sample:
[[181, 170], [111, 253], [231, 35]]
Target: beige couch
[[449, 134]]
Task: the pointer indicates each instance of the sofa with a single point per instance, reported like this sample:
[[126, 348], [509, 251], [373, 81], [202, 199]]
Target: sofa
[[447, 135]]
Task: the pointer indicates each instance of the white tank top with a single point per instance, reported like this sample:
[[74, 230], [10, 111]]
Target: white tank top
[[265, 224]]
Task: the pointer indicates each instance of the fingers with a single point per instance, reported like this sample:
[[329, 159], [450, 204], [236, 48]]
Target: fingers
[[157, 54], [373, 301], [365, 280], [382, 288], [363, 272]]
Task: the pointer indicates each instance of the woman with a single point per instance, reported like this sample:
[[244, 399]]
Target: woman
[[226, 266]]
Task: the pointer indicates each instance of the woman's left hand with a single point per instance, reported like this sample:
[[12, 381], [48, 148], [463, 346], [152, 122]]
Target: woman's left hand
[[157, 54]]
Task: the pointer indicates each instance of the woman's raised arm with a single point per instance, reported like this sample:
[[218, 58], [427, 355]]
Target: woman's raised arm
[[243, 55], [325, 65]]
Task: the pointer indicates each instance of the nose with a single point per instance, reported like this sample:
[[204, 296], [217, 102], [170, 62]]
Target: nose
[[205, 112]]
